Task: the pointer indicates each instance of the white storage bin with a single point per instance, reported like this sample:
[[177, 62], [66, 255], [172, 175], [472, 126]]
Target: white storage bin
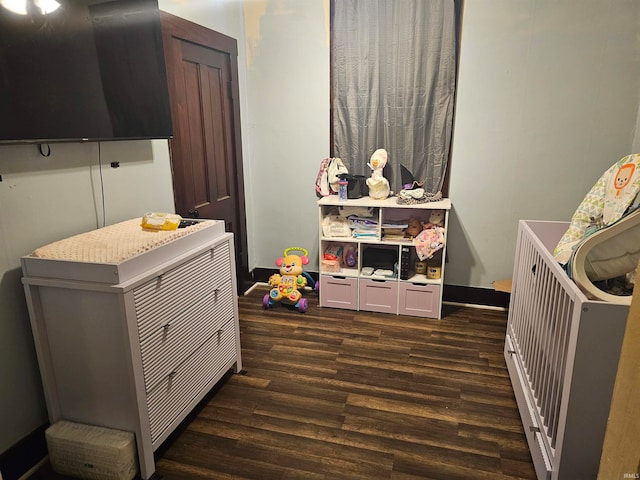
[[90, 452]]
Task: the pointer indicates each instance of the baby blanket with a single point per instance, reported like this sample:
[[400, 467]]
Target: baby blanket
[[428, 242]]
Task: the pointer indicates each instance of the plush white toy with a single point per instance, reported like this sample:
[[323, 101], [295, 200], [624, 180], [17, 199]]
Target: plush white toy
[[436, 219], [378, 185]]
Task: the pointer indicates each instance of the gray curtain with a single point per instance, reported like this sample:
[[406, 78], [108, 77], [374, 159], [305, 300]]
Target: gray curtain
[[393, 81]]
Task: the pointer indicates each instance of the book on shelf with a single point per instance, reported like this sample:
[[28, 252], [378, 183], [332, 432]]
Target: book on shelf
[[395, 225], [395, 238]]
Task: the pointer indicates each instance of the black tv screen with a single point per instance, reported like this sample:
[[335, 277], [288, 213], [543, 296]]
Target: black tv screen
[[89, 71]]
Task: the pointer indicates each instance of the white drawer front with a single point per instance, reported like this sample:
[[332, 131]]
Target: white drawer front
[[171, 343], [181, 386], [164, 298]]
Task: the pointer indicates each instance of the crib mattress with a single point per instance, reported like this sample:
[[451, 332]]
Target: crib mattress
[[116, 253]]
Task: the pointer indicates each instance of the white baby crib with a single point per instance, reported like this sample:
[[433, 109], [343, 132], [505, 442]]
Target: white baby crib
[[562, 353]]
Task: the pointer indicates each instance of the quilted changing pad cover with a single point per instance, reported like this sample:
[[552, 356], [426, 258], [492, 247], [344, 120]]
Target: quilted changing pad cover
[[112, 244]]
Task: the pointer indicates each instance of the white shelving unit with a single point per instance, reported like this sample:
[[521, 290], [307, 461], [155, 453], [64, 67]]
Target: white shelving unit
[[399, 289]]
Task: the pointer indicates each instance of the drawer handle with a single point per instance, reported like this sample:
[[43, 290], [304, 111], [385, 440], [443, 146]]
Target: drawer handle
[[158, 284]]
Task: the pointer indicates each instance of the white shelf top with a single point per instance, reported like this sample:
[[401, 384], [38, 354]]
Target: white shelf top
[[391, 202]]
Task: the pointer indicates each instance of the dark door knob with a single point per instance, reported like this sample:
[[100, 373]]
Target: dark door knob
[[194, 213]]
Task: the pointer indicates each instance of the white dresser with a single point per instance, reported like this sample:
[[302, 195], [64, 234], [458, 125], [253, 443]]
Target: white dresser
[[136, 342]]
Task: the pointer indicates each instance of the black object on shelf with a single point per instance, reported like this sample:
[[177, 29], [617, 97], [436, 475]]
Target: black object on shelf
[[405, 258], [376, 257], [356, 186]]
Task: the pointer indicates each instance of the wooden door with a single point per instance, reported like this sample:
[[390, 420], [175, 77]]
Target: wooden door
[[206, 153]]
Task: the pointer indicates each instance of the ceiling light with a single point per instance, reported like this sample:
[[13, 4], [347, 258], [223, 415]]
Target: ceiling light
[[16, 6], [47, 6]]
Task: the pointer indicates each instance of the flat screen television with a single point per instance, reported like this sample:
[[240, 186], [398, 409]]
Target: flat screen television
[[89, 71]]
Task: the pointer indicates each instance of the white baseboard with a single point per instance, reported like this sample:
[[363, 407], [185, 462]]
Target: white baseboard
[[33, 469], [257, 284], [475, 305]]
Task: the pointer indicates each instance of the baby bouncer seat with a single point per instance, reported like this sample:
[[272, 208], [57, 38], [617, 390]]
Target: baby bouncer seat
[[603, 238]]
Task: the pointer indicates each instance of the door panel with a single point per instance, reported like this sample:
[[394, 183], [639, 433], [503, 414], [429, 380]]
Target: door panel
[[206, 152]]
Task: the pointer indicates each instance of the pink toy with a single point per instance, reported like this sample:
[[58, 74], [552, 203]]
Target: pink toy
[[429, 241]]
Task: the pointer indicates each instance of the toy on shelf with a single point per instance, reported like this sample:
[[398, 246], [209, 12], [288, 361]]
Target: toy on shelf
[[436, 219], [378, 185], [413, 192], [414, 227], [431, 238], [291, 281], [350, 256], [336, 256], [332, 258]]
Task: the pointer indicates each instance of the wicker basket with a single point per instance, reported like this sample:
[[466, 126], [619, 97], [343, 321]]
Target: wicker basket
[[90, 452]]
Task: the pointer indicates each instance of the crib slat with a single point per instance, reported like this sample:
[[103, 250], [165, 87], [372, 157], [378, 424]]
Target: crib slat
[[546, 321], [564, 346], [552, 349], [556, 353], [553, 355]]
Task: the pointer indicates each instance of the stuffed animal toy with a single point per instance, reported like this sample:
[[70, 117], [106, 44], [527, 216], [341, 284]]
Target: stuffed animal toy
[[431, 238], [289, 283], [436, 219], [378, 185], [414, 227]]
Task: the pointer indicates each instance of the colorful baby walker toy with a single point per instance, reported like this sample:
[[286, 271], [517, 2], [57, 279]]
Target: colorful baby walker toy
[[289, 284]]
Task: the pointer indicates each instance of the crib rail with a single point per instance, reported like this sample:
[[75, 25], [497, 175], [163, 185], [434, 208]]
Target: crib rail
[[540, 333], [561, 350]]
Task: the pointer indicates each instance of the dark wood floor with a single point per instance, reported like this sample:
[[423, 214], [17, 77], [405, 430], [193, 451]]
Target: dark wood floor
[[336, 394]]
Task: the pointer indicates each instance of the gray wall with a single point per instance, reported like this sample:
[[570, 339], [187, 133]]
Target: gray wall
[[548, 99], [46, 199]]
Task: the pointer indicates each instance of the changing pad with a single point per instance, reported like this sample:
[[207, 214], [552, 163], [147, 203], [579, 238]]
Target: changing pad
[[112, 244]]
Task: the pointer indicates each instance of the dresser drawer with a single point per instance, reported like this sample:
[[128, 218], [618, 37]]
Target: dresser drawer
[[168, 345], [419, 300], [182, 385], [165, 297], [379, 295]]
